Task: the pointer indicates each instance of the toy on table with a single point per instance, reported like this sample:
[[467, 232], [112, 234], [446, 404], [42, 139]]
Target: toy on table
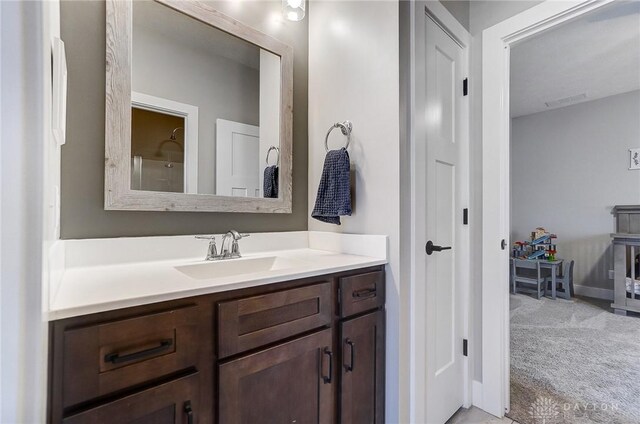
[[541, 246]]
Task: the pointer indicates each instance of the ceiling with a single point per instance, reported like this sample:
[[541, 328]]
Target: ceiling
[[595, 56]]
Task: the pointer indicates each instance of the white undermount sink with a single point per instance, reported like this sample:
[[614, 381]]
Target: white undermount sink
[[234, 267]]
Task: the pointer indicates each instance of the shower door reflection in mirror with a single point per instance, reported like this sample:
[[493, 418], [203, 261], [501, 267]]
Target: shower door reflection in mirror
[[205, 108]]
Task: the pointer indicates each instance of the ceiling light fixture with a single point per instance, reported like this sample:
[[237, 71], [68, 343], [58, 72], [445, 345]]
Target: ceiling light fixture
[[293, 10]]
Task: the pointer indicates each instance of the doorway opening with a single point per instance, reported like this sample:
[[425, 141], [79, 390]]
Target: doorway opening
[[512, 202], [574, 109]]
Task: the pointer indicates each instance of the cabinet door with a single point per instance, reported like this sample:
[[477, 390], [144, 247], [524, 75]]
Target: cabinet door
[[362, 370], [174, 402], [288, 383]]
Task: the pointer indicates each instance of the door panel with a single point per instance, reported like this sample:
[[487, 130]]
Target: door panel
[[443, 187], [445, 94], [444, 282], [289, 383], [362, 371]]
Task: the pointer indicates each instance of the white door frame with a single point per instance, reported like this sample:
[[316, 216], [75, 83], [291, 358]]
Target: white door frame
[[191, 133], [437, 12], [496, 43]]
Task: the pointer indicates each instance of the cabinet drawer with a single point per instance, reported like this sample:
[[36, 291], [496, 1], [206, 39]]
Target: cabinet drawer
[[175, 402], [103, 358], [360, 293], [248, 323]]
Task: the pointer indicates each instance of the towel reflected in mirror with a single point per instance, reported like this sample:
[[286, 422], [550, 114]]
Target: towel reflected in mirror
[[270, 183]]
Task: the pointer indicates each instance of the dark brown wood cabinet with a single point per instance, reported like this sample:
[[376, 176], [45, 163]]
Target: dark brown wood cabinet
[[114, 355], [288, 383], [303, 351], [174, 402], [362, 370], [247, 323], [360, 293]]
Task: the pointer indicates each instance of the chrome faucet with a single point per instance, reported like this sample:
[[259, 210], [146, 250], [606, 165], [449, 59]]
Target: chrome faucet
[[234, 252], [233, 236]]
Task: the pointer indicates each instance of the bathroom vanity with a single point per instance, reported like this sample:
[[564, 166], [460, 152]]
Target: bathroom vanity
[[296, 350], [144, 329]]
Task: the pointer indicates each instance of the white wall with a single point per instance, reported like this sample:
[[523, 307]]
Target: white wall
[[569, 168], [354, 75], [25, 152], [269, 110], [220, 87], [482, 15]]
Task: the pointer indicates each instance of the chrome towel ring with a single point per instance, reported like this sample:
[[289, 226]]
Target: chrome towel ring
[[277, 155], [345, 127]]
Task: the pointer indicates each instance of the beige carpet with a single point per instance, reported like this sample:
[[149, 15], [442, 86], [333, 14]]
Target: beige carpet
[[573, 362]]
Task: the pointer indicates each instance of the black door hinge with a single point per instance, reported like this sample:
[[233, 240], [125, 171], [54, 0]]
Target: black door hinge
[[465, 86], [465, 216], [464, 347]]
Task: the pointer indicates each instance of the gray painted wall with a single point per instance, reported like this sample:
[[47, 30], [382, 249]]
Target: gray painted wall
[[482, 15], [82, 180], [569, 168]]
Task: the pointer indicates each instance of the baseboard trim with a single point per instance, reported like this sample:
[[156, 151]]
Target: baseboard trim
[[598, 293], [476, 393]]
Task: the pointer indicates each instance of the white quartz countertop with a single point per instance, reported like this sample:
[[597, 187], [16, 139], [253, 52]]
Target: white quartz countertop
[[89, 286]]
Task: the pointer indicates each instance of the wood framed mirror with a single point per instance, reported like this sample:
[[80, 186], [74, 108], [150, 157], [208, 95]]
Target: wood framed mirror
[[199, 111]]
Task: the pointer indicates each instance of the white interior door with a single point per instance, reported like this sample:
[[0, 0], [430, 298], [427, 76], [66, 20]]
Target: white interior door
[[445, 188], [237, 159]]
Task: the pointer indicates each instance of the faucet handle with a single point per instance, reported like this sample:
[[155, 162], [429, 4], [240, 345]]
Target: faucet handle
[[212, 251], [235, 247]]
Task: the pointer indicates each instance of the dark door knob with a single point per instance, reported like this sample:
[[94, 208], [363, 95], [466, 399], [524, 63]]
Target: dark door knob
[[430, 248]]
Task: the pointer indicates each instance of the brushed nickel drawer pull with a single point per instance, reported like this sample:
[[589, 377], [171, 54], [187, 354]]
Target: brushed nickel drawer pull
[[115, 357]]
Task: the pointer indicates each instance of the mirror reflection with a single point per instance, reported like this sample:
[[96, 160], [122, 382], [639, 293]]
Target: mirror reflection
[[204, 108]]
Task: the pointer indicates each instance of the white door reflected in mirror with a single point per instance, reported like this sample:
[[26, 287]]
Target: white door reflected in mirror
[[237, 158]]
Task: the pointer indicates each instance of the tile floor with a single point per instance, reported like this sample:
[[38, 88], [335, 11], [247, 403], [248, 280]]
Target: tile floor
[[475, 415]]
